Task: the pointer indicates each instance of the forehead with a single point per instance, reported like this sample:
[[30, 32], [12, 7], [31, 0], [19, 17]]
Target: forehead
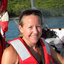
[[31, 17]]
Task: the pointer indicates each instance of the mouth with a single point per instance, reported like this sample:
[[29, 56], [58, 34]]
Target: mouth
[[34, 37]]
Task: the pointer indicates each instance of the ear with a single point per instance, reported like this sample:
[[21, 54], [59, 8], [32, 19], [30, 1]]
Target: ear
[[20, 28]]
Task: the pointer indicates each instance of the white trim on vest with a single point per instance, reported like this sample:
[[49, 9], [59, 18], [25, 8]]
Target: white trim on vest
[[47, 46], [21, 49]]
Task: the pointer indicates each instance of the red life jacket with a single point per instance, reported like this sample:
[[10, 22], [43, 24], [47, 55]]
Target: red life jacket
[[25, 57], [4, 18], [2, 46], [3, 6]]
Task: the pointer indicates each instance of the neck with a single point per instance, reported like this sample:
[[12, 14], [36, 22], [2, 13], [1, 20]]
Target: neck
[[31, 45]]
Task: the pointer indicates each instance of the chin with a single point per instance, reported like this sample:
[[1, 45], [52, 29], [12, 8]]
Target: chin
[[34, 41]]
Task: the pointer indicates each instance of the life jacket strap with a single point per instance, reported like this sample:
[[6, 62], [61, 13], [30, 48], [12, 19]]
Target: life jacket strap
[[43, 59]]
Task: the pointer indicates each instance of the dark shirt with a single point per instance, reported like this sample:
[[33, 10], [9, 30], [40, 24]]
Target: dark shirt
[[41, 62]]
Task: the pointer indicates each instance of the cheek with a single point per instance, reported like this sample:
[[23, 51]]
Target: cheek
[[27, 32], [40, 31]]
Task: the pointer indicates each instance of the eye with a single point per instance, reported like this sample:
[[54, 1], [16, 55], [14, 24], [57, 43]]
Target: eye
[[38, 26], [30, 27]]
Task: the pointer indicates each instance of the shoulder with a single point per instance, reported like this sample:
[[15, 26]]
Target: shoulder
[[10, 50], [9, 55]]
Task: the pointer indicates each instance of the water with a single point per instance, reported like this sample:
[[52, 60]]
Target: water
[[12, 30], [53, 22]]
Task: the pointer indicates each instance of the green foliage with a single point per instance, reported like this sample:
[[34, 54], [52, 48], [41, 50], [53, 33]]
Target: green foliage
[[48, 7], [49, 3], [16, 6]]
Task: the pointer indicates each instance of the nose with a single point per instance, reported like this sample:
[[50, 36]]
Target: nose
[[35, 30]]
